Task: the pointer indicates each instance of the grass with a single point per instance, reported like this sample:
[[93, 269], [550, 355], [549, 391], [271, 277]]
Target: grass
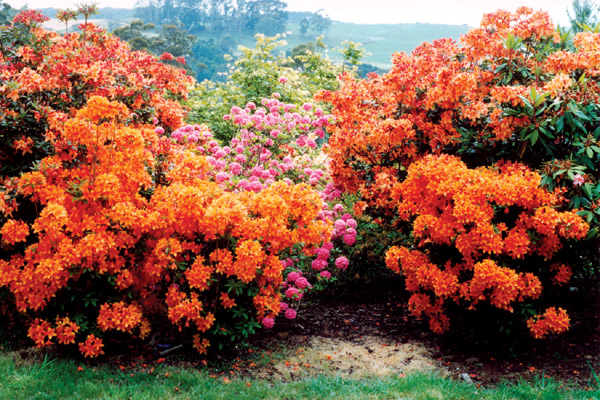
[[59, 379]]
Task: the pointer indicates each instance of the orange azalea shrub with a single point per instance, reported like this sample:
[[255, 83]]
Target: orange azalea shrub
[[43, 72], [489, 240], [205, 257], [516, 88], [107, 225], [514, 96]]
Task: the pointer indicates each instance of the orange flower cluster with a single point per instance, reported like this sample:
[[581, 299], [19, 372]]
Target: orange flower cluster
[[14, 231], [189, 236], [66, 330], [92, 347], [552, 321], [452, 205], [119, 316], [45, 72], [42, 332], [446, 93]]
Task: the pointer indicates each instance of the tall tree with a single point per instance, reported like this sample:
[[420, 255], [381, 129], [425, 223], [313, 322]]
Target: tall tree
[[584, 12]]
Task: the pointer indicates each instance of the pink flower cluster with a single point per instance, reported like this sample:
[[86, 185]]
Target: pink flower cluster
[[198, 134], [295, 286], [345, 227], [274, 143]]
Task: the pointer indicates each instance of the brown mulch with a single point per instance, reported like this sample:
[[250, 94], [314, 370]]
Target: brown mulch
[[374, 320]]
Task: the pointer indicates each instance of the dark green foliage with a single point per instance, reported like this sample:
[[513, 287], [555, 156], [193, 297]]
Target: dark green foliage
[[6, 13]]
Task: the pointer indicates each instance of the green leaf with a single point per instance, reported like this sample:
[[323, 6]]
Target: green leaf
[[577, 112], [587, 189], [589, 152], [534, 136], [592, 233]]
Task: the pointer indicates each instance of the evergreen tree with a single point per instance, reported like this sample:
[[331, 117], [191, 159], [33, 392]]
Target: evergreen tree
[[585, 12]]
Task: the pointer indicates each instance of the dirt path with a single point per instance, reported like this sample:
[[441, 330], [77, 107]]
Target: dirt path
[[353, 339]]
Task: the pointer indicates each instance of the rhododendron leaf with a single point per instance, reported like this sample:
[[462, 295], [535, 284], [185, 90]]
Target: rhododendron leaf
[[534, 136], [578, 113]]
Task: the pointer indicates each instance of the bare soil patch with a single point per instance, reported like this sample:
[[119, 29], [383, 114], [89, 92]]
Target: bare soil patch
[[373, 334]]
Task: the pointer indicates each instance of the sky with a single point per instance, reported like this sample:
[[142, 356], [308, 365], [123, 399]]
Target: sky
[[453, 12]]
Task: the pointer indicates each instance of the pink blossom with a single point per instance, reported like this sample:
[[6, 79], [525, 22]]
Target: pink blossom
[[328, 246], [291, 292], [220, 164], [290, 313], [318, 264], [578, 180], [351, 223], [339, 224], [323, 253], [268, 323], [293, 276], [251, 105], [154, 121], [301, 283], [301, 141], [307, 106], [276, 95], [226, 117], [222, 176], [220, 154], [283, 80], [349, 239], [235, 168], [283, 306], [326, 274], [311, 143], [341, 263], [177, 135], [159, 130]]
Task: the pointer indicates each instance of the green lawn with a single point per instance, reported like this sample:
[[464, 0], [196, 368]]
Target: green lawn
[[53, 379]]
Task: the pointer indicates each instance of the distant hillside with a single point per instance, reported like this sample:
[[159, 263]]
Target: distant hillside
[[381, 40]]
